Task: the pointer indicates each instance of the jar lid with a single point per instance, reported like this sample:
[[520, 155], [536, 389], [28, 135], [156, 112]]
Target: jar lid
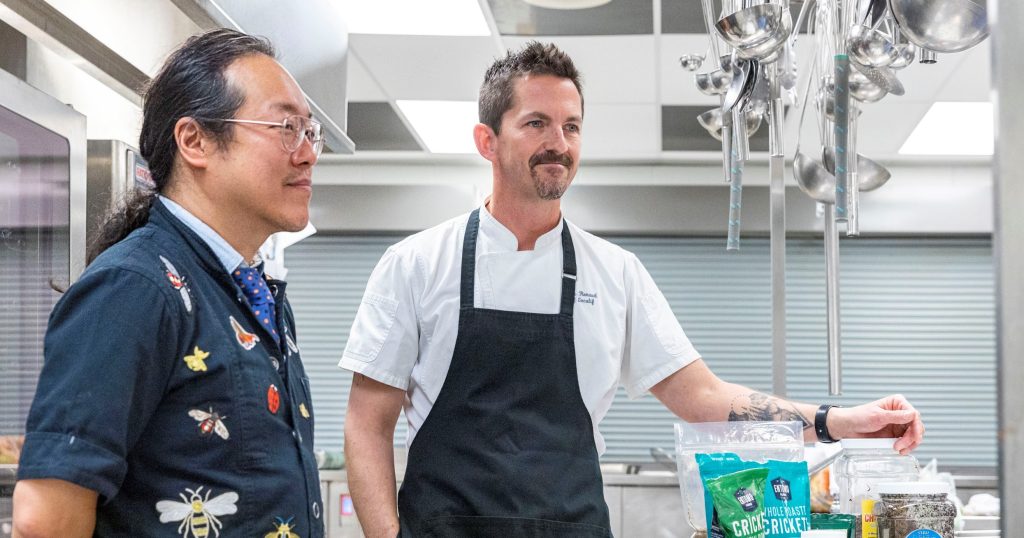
[[863, 443], [913, 488]]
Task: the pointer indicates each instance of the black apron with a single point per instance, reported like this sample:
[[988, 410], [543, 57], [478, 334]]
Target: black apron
[[508, 447]]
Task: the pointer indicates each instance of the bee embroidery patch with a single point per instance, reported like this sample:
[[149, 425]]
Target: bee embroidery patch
[[195, 361], [245, 338], [210, 423], [303, 411], [198, 514], [178, 283], [284, 529]]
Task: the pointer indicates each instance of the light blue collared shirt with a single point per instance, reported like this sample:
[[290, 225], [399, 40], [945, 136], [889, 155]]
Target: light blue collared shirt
[[228, 256]]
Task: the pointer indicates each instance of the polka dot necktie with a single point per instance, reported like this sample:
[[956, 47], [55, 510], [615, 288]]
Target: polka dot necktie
[[260, 299]]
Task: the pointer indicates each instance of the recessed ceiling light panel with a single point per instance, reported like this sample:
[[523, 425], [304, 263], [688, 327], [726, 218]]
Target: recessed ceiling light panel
[[567, 4], [953, 128], [444, 126], [414, 17]]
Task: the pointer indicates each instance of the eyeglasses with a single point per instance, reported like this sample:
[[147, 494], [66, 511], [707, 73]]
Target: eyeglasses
[[294, 129]]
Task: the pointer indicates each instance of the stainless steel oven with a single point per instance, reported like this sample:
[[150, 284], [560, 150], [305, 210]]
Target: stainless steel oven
[[42, 244]]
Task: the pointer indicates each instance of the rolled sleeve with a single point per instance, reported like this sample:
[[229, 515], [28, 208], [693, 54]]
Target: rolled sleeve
[[108, 354], [656, 345], [384, 341]]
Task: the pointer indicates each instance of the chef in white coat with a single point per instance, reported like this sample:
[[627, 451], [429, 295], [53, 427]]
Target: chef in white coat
[[504, 333]]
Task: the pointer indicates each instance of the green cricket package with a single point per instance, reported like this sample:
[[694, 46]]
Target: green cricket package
[[787, 495], [738, 500]]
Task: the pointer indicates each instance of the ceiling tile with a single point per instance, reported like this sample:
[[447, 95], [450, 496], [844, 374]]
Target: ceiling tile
[[621, 17], [426, 67], [616, 69], [972, 78], [620, 131], [376, 127], [682, 18]]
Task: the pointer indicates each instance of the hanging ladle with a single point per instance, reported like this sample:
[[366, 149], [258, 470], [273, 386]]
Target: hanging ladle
[[757, 31]]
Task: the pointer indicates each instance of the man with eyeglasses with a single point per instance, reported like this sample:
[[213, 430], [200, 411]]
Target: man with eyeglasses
[[172, 399]]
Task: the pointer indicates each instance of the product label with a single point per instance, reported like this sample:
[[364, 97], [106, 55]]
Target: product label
[[869, 526], [924, 533]]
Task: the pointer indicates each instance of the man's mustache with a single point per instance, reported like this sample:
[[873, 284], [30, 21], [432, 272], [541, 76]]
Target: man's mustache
[[551, 157]]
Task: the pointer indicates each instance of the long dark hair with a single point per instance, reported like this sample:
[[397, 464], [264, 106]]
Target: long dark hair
[[191, 83]]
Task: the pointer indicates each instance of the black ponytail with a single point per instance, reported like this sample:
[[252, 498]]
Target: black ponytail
[[191, 83]]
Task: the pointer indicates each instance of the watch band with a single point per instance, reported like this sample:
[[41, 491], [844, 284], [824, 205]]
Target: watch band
[[820, 427]]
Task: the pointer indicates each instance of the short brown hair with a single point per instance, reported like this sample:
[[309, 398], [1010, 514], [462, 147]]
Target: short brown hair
[[497, 91]]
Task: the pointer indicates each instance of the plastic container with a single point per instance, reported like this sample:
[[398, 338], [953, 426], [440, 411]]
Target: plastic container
[[860, 469], [914, 509]]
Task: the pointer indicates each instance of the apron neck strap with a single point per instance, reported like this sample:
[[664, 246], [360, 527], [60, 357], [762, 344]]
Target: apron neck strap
[[469, 265]]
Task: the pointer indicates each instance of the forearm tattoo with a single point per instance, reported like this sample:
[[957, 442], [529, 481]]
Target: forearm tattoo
[[762, 407]]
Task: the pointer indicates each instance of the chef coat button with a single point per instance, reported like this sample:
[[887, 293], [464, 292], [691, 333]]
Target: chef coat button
[[316, 510]]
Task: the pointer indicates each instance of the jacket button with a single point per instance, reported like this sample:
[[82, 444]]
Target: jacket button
[[316, 510]]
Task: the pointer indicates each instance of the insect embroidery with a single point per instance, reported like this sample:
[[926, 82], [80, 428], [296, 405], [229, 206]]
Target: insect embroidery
[[195, 360], [177, 282], [245, 338], [303, 411], [284, 529], [198, 514], [210, 423]]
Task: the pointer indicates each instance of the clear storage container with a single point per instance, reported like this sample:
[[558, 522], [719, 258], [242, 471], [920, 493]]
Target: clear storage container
[[858, 471], [915, 510]]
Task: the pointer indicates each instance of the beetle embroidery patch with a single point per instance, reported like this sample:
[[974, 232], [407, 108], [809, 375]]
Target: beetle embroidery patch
[[283, 529]]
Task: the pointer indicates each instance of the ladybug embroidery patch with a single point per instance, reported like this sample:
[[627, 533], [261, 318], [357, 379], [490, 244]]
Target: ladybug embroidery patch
[[273, 399], [245, 338]]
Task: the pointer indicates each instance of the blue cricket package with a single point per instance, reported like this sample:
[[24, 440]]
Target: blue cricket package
[[787, 496]]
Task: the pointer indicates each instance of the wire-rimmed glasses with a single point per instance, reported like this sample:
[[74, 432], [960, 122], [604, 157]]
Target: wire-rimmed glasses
[[294, 129]]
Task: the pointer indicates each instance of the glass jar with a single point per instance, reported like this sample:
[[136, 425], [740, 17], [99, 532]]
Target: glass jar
[[914, 510], [863, 465]]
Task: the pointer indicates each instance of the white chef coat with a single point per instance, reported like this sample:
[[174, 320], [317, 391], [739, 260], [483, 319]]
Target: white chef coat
[[405, 329]]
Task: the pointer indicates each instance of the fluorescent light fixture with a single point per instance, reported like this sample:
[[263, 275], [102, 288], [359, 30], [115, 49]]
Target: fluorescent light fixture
[[953, 128], [444, 126], [414, 17], [567, 4]]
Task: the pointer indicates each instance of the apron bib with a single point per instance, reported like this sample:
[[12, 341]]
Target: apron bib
[[508, 447]]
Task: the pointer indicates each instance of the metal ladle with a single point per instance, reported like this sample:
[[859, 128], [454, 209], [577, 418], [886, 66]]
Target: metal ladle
[[870, 174], [883, 77], [714, 83], [758, 31], [941, 25], [712, 121], [863, 89]]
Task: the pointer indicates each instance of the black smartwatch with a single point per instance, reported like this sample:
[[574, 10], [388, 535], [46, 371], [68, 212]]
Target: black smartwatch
[[820, 427]]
